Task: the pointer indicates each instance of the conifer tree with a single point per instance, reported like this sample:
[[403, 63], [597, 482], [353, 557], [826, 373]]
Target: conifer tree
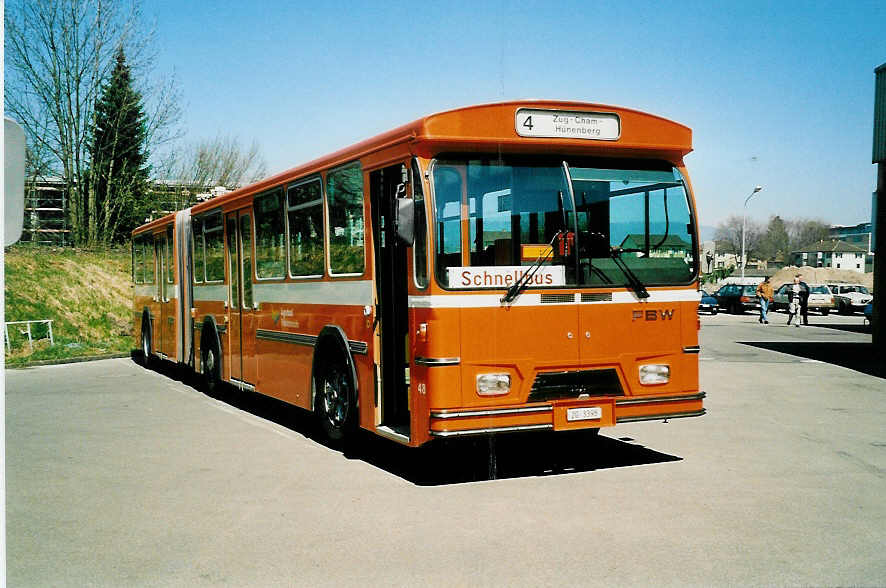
[[118, 173]]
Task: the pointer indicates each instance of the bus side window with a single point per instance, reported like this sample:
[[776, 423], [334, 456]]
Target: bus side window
[[170, 271], [344, 193], [270, 236], [136, 261], [197, 250], [305, 218], [420, 247], [148, 252], [215, 252]]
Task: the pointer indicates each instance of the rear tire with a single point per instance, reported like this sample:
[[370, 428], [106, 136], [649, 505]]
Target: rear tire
[[825, 311], [210, 365], [146, 342]]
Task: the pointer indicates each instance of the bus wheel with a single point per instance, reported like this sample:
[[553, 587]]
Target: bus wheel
[[146, 342], [336, 406], [210, 366]]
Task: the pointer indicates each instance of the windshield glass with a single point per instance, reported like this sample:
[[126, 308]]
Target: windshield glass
[[819, 290], [573, 218]]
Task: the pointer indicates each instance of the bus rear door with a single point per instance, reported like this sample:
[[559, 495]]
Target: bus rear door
[[168, 301], [241, 314]]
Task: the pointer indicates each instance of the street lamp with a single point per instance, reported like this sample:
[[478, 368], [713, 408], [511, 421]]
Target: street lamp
[[744, 222]]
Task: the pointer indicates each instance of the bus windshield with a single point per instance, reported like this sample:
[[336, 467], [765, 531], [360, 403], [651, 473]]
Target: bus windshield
[[597, 223]]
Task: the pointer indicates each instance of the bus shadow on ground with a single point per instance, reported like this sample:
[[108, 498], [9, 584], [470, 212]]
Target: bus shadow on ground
[[507, 456], [451, 461], [861, 357]]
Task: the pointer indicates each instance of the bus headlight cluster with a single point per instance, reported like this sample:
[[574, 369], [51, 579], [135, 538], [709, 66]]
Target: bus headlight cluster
[[493, 384], [655, 373]]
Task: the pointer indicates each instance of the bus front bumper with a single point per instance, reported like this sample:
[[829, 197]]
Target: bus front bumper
[[565, 415]]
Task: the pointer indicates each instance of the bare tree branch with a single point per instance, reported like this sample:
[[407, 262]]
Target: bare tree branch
[[58, 53]]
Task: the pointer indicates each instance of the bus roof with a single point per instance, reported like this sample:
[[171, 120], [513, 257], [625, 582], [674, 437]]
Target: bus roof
[[486, 127]]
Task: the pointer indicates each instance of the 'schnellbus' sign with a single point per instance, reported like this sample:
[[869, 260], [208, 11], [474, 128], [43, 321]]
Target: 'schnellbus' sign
[[504, 276], [600, 126]]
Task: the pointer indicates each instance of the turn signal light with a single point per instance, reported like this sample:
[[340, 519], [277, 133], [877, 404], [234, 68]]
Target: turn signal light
[[493, 384]]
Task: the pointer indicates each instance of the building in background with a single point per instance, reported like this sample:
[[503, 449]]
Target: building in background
[[859, 235], [832, 253]]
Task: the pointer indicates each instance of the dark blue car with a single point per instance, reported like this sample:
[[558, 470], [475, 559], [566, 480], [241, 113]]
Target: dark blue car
[[707, 304]]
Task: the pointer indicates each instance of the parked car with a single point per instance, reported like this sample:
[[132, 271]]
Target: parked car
[[849, 298], [820, 298], [707, 303], [736, 298]]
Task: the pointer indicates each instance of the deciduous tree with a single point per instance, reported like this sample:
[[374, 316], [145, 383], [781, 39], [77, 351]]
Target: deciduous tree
[[58, 53], [728, 235], [221, 161], [805, 232]]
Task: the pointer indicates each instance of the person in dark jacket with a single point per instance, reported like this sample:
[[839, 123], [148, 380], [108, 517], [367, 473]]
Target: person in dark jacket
[[804, 300], [798, 301]]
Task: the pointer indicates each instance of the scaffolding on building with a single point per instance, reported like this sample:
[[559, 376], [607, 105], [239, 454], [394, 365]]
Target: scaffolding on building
[[46, 207], [46, 219]]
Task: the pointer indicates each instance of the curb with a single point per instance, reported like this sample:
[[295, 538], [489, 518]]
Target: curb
[[68, 360]]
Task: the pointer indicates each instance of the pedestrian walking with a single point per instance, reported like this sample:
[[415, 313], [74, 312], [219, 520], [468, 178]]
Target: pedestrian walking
[[794, 301], [765, 294], [804, 300]]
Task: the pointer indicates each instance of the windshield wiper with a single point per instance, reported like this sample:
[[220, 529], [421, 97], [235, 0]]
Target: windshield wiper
[[633, 280], [524, 279]]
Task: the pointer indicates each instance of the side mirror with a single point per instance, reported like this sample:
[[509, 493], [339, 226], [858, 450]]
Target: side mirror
[[404, 220]]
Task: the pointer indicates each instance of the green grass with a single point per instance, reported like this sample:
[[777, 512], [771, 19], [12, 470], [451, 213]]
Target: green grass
[[86, 293]]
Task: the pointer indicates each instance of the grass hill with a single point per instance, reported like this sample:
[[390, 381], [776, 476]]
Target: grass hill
[[86, 293]]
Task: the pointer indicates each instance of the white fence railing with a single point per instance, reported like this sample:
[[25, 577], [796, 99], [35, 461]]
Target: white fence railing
[[27, 331]]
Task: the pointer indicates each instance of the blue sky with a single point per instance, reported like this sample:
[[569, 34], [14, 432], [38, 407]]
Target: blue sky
[[777, 94]]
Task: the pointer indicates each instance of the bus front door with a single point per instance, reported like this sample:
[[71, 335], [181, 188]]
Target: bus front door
[[241, 314], [391, 271]]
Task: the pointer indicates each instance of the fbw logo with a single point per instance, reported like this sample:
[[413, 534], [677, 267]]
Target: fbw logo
[[652, 315]]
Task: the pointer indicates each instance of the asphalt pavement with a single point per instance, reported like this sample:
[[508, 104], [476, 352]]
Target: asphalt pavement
[[118, 476]]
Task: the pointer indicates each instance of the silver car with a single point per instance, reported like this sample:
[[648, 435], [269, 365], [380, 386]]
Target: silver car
[[820, 298], [849, 298]]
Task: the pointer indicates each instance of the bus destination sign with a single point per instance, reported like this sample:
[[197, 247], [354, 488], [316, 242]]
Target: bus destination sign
[[504, 276], [599, 126]]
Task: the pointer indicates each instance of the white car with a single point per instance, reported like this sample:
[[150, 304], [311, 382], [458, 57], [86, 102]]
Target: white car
[[820, 298], [849, 298]]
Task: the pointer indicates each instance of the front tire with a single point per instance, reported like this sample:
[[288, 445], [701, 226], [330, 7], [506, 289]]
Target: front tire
[[336, 402]]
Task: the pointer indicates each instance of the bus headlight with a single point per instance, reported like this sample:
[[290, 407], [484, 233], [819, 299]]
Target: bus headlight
[[493, 384], [655, 373]]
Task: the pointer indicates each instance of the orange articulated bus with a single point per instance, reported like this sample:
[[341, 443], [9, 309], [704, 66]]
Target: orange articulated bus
[[505, 267]]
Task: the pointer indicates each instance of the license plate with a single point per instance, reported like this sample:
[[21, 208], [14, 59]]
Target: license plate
[[588, 413]]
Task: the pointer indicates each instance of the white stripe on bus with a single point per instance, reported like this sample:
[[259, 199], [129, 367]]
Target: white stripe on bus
[[212, 292], [344, 292], [494, 300]]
